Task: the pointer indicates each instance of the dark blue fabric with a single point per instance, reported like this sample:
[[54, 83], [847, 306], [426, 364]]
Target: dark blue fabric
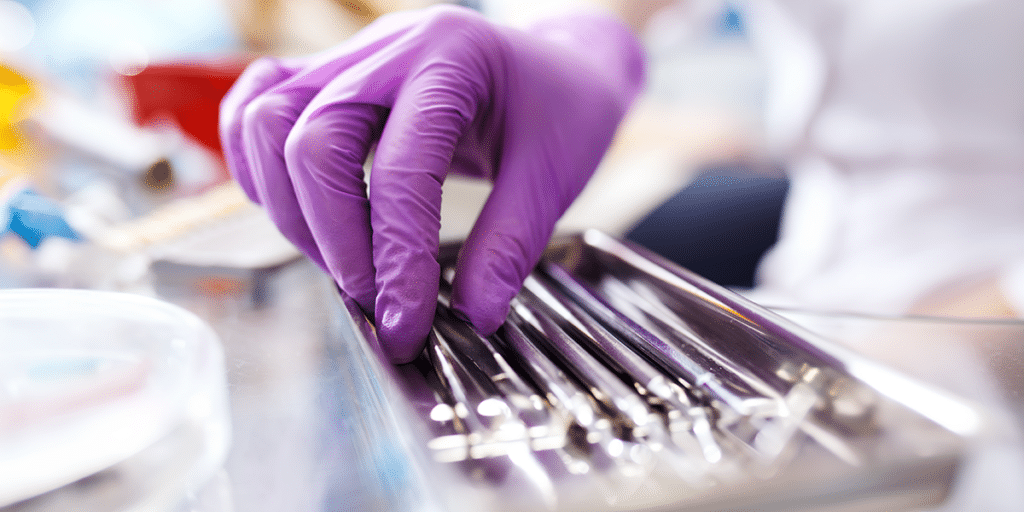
[[719, 225]]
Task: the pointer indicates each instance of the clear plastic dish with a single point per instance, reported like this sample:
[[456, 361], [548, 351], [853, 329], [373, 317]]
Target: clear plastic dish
[[90, 380]]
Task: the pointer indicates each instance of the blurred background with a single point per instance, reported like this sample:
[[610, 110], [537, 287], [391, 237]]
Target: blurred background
[[109, 115], [111, 178]]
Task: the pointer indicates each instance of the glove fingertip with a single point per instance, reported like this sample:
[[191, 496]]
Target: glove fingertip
[[402, 333], [366, 301], [484, 307], [404, 352]]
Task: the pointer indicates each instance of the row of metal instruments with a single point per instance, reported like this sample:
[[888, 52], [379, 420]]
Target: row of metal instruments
[[622, 380]]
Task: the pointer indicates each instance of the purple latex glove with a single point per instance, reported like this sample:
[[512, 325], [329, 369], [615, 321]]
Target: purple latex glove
[[437, 90]]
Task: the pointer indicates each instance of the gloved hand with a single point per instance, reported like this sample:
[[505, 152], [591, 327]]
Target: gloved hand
[[437, 90]]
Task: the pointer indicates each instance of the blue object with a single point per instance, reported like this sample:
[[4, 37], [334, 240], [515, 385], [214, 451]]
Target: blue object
[[35, 218], [730, 21]]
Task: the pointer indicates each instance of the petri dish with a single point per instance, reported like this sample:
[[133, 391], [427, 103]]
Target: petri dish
[[98, 382]]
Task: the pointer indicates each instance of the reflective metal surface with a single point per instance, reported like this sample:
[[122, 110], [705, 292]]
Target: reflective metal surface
[[319, 423], [622, 383]]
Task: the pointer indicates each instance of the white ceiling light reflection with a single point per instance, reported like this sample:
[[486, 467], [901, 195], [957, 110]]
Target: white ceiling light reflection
[[442, 412], [493, 407], [948, 411], [615, 447]]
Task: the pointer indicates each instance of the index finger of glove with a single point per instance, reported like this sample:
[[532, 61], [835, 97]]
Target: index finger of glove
[[258, 78]]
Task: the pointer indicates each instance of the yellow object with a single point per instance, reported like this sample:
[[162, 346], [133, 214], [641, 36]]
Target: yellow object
[[16, 95]]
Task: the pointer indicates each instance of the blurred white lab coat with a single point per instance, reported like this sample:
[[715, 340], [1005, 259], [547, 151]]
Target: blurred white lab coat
[[902, 125]]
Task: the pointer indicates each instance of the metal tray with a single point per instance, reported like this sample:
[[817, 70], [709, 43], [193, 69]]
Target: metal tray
[[622, 382]]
